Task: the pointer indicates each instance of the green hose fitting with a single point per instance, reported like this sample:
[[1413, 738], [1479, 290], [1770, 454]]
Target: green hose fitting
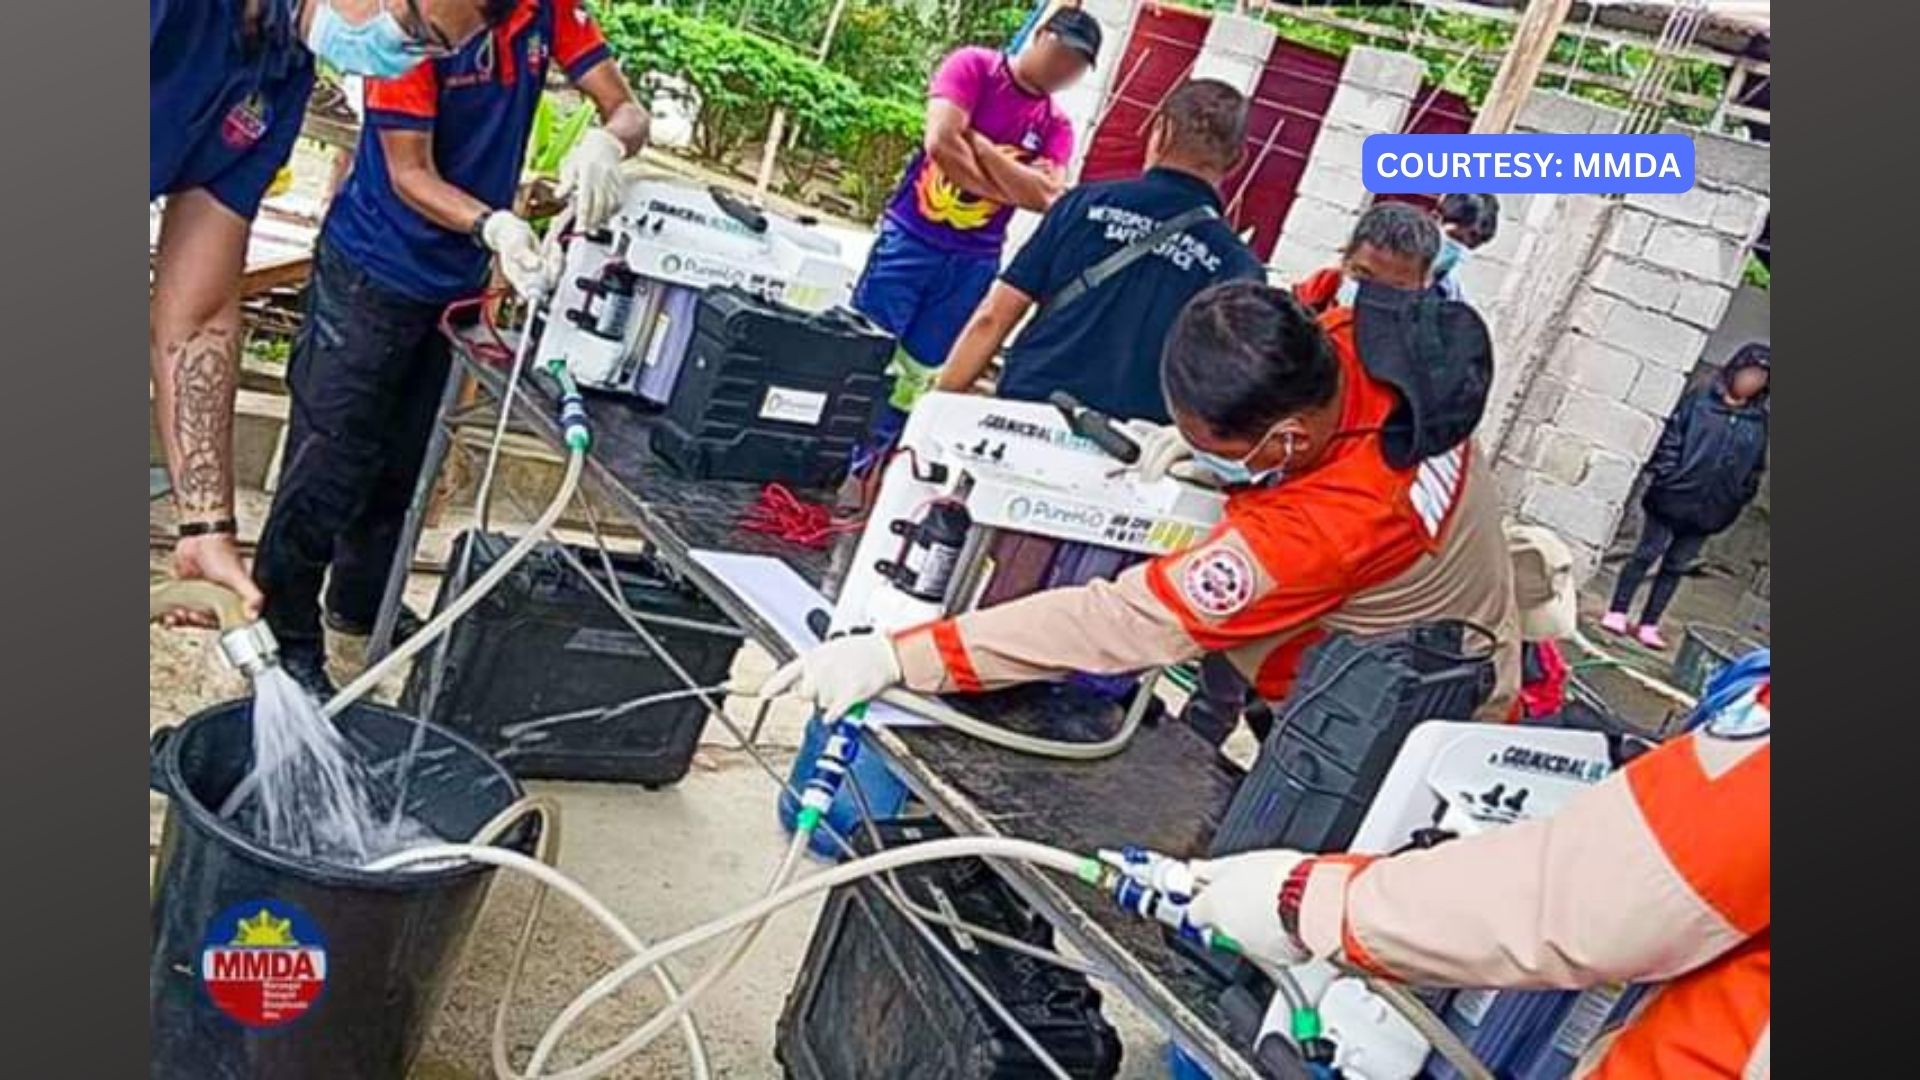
[[806, 821], [1306, 1024], [573, 408]]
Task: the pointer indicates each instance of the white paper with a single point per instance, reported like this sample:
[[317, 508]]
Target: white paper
[[782, 598]]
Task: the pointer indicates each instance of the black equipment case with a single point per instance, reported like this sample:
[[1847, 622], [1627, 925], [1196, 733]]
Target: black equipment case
[[547, 678], [768, 392], [1351, 707], [873, 1001]]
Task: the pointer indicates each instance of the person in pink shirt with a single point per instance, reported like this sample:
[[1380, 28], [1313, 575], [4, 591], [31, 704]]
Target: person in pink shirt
[[995, 140]]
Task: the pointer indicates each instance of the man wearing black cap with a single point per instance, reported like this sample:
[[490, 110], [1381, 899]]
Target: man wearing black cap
[[995, 140]]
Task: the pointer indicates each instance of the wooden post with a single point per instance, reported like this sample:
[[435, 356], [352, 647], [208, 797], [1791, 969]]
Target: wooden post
[[1533, 39], [777, 131]]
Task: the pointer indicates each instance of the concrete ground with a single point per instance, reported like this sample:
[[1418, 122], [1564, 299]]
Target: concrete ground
[[663, 861]]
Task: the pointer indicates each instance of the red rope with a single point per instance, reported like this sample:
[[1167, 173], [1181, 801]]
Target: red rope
[[781, 514]]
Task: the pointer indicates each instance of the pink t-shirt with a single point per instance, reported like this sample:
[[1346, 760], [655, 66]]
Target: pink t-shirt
[[1027, 127]]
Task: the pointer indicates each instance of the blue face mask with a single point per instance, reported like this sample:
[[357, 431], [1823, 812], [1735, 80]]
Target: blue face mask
[[377, 48], [1452, 252], [1237, 473]]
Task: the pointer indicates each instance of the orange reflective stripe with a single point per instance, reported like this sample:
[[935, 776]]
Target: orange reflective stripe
[[1350, 946], [1706, 1023], [953, 653], [1717, 831]]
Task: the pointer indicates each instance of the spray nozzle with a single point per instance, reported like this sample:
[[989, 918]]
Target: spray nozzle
[[246, 643]]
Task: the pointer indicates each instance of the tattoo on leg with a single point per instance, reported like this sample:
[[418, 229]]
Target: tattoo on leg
[[204, 380]]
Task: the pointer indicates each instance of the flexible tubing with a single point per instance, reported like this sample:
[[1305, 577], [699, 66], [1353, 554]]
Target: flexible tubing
[[927, 851], [474, 593], [546, 852], [463, 603], [948, 716], [229, 610], [547, 877], [602, 1063], [483, 497], [1448, 1044]]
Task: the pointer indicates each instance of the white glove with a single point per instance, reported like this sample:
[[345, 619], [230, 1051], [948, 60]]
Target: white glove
[[840, 674], [590, 173], [1240, 896], [519, 249], [1161, 445]]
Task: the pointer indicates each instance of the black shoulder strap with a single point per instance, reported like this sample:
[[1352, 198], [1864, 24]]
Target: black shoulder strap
[[1099, 273]]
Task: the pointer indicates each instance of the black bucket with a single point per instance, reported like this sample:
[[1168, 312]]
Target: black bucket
[[336, 972]]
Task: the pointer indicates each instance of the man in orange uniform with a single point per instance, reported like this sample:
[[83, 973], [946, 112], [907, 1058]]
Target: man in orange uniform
[[1663, 871], [1356, 503]]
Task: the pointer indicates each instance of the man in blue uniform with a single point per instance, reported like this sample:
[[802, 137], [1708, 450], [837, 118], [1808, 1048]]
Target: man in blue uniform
[[227, 92], [415, 227], [1104, 346]]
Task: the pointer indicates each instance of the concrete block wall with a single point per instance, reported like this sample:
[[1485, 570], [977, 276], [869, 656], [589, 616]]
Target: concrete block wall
[[1375, 96], [1593, 383], [1084, 102], [1235, 51]]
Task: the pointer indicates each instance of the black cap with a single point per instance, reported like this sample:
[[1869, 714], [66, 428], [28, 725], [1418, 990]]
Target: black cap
[[1077, 30]]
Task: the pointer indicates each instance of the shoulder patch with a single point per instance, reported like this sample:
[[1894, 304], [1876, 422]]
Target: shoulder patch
[[1750, 716], [1218, 582]]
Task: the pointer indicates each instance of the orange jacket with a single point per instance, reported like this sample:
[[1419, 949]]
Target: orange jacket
[[1352, 544], [1663, 871]]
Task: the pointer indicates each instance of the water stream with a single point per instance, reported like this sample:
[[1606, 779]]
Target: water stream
[[312, 794]]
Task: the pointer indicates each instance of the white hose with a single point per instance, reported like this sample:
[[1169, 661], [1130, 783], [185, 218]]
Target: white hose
[[547, 877], [948, 716], [546, 851], [461, 604], [473, 594], [755, 913], [605, 1061]]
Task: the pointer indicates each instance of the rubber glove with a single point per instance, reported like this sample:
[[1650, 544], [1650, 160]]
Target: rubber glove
[[840, 674], [521, 263], [1240, 896], [590, 174], [1161, 447]]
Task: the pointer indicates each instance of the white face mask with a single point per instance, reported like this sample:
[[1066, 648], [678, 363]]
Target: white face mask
[[377, 48]]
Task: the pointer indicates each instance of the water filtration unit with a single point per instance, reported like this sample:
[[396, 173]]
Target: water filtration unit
[[623, 309], [1453, 779], [985, 500]]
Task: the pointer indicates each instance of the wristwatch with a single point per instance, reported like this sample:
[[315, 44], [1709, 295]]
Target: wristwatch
[[478, 230]]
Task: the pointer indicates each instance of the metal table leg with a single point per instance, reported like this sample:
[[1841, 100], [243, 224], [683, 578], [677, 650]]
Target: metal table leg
[[438, 443]]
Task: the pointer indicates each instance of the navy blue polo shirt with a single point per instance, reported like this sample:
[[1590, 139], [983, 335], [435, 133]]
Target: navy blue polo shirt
[[1104, 348], [479, 106], [223, 106]]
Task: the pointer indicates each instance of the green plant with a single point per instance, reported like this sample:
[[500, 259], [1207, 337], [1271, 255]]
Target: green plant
[[741, 78], [1756, 273]]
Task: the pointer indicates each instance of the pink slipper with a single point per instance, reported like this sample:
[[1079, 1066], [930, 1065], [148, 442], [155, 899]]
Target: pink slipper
[[1615, 622], [1649, 636]]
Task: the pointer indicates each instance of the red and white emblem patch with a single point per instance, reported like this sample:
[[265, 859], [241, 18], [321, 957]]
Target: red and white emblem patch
[[1218, 582]]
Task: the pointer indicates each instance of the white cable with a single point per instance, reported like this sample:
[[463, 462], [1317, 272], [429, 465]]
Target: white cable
[[926, 851]]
